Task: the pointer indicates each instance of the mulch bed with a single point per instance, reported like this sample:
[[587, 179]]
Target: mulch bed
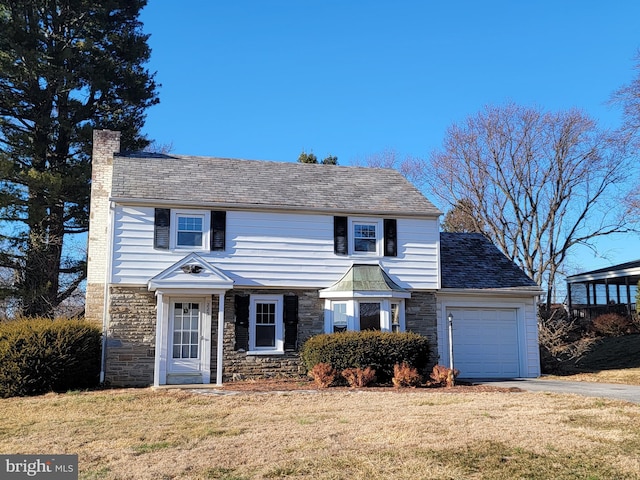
[[289, 384]]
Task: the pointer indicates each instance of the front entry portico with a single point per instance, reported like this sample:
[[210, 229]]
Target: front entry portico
[[184, 295]]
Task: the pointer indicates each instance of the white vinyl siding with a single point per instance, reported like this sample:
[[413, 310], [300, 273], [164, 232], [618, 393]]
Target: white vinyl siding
[[274, 250]]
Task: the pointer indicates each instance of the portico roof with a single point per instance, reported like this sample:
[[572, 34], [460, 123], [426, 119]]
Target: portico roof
[[193, 273]]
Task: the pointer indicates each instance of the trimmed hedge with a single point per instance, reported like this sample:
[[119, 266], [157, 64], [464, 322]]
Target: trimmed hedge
[[39, 355], [380, 350]]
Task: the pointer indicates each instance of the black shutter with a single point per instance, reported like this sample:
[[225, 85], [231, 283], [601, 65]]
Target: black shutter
[[162, 228], [390, 237], [242, 322], [218, 228], [290, 322], [340, 236]]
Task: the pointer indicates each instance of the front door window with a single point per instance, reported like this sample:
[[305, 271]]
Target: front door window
[[186, 331]]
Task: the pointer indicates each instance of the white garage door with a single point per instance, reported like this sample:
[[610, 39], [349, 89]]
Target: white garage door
[[485, 342]]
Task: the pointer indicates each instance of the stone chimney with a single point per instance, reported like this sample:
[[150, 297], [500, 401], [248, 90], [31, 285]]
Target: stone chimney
[[106, 143]]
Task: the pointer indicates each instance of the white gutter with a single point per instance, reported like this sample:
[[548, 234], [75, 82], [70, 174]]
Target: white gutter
[[512, 292], [160, 202]]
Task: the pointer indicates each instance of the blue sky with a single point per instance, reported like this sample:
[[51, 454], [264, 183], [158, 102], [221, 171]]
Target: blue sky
[[266, 79]]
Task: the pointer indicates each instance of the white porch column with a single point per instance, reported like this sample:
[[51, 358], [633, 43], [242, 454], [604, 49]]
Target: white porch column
[[160, 364], [219, 355]]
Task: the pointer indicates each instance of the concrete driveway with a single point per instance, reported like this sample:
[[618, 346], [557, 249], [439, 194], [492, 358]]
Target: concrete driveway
[[628, 393]]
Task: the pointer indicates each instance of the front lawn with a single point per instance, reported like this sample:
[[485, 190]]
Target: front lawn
[[408, 434]]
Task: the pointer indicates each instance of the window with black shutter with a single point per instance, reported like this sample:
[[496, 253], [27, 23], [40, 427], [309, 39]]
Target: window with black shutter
[[162, 228], [390, 237], [340, 236], [242, 322], [218, 230], [290, 314]]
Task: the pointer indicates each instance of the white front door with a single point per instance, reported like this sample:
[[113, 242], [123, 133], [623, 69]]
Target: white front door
[[186, 335]]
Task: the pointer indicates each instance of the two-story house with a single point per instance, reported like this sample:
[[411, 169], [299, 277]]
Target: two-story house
[[203, 268]]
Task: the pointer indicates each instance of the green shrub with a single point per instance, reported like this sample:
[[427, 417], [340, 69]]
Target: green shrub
[[39, 355], [379, 350]]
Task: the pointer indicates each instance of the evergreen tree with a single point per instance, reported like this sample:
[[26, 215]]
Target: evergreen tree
[[66, 67], [305, 157]]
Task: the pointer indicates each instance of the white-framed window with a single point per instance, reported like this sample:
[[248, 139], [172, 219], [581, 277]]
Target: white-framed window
[[369, 315], [266, 326], [339, 317], [397, 317], [386, 315], [365, 236], [190, 229]]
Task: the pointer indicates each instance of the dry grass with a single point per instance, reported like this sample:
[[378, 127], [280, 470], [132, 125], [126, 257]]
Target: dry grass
[[416, 434], [610, 360], [627, 376]]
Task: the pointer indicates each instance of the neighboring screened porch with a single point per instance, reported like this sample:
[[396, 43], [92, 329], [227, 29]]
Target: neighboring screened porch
[[606, 290]]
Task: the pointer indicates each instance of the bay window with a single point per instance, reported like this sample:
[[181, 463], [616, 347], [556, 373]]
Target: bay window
[[382, 314]]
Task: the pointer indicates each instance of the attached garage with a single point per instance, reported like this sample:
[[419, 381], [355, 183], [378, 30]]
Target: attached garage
[[485, 342], [493, 307]]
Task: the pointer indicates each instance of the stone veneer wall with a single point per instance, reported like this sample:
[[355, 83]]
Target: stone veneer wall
[[237, 364], [421, 317], [131, 334], [131, 337]]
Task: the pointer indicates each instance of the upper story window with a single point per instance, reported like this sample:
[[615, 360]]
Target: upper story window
[[183, 229], [191, 229], [366, 237]]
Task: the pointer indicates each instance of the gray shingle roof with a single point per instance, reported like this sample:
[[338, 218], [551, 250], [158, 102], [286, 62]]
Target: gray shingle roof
[[470, 260], [228, 182]]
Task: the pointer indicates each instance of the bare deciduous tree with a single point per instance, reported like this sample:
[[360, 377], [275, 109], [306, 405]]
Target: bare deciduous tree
[[540, 182], [413, 169], [627, 98]]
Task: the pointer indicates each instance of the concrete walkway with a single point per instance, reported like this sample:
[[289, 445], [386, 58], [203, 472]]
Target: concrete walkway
[[628, 393]]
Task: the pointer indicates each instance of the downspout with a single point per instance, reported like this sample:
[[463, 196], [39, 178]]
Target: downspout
[[107, 280]]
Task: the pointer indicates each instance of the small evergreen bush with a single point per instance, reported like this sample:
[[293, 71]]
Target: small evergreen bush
[[444, 376], [39, 355], [359, 377], [405, 376], [378, 350], [323, 375]]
